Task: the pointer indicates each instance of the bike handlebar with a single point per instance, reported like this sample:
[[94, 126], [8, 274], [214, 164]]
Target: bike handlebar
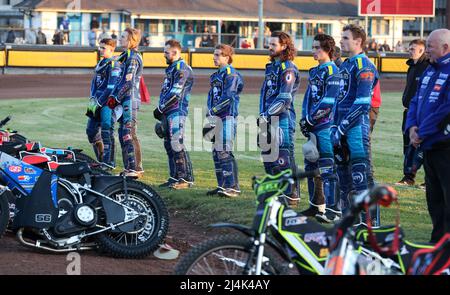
[[4, 121]]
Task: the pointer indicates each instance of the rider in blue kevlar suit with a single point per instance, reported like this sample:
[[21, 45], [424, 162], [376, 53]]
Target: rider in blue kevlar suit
[[223, 108], [317, 118], [100, 126], [277, 114], [127, 94], [172, 111], [358, 77]]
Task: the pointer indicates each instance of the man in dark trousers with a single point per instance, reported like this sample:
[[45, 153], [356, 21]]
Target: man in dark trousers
[[418, 63], [428, 126]]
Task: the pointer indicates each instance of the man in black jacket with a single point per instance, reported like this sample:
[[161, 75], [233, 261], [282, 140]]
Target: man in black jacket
[[418, 62]]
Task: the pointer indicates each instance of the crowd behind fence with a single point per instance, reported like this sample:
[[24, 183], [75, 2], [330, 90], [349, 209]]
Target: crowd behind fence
[[90, 38]]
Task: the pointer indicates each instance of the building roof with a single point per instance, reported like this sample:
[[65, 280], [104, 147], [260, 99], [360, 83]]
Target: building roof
[[276, 9]]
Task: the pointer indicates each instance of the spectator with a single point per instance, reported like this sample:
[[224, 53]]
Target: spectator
[[255, 36], [113, 35], [428, 125], [373, 46], [41, 38], [206, 41], [11, 37], [267, 34], [30, 36], [245, 44], [399, 47], [94, 23], [189, 37], [337, 56], [375, 105], [145, 41], [385, 47], [103, 35], [418, 63], [189, 29], [92, 38], [214, 36], [57, 38], [65, 28]]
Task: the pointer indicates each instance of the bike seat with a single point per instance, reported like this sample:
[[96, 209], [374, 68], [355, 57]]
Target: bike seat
[[73, 170], [35, 159]]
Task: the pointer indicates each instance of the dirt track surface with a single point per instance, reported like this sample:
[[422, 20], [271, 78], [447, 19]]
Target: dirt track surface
[[16, 259], [68, 86]]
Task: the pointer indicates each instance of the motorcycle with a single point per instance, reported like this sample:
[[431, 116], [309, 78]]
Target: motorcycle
[[72, 209], [282, 241]]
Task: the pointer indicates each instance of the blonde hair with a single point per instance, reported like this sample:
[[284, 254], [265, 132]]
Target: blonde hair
[[134, 37]]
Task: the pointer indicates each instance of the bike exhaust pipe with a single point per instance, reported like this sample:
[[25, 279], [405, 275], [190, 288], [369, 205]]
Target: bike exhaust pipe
[[39, 246]]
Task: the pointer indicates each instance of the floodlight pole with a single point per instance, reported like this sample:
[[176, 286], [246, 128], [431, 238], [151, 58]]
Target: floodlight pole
[[421, 28], [366, 25], [260, 24], [393, 33]]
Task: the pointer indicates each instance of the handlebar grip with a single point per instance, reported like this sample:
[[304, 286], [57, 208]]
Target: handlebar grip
[[4, 121], [301, 174]]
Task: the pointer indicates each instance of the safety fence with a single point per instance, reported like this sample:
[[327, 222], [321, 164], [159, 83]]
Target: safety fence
[[29, 56]]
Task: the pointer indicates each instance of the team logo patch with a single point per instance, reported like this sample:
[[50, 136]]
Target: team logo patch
[[344, 84], [366, 76], [319, 238], [24, 178], [271, 84], [15, 169], [295, 221], [288, 77], [358, 177]]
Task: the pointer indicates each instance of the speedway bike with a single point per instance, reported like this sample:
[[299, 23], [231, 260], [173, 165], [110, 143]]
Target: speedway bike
[[72, 209], [282, 241]]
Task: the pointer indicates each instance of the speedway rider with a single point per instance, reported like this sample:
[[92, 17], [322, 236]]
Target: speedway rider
[[277, 115], [172, 111], [358, 76], [127, 94], [317, 118], [223, 108], [100, 125]]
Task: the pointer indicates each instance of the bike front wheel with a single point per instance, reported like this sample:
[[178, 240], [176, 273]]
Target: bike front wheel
[[227, 255]]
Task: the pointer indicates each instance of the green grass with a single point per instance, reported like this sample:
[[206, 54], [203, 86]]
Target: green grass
[[61, 123]]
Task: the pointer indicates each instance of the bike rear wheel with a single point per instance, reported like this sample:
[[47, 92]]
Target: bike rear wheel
[[226, 255], [148, 231]]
